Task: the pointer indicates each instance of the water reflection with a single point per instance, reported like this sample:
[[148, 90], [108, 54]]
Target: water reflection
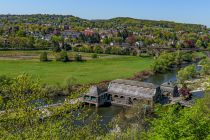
[[159, 79]]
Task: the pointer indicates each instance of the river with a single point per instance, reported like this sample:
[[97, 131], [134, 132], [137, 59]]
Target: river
[[107, 113]]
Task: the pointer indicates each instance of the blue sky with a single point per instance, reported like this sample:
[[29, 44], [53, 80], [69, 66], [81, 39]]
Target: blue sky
[[187, 11]]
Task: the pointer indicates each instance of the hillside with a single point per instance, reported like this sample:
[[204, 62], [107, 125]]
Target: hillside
[[110, 23]]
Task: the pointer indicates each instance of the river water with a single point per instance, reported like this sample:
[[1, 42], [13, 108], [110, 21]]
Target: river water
[[108, 113]]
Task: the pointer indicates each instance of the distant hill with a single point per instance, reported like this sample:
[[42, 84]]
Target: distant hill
[[128, 22], [119, 22]]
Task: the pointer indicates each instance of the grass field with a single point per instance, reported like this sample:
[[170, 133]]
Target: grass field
[[90, 71], [34, 55]]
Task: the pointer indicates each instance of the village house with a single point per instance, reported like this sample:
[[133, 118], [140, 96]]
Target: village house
[[66, 27], [47, 37], [57, 31], [125, 45], [88, 32], [66, 34], [139, 44], [70, 34]]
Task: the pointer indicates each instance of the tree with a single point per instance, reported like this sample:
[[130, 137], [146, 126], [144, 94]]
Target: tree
[[186, 73], [25, 117], [41, 44], [58, 43], [163, 62], [208, 47], [108, 50], [1, 102], [78, 57], [124, 34], [116, 50], [94, 56], [63, 56], [174, 122], [131, 40], [43, 57], [98, 49], [198, 43], [205, 69]]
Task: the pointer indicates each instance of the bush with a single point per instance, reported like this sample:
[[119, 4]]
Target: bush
[[205, 69], [1, 102], [94, 56], [187, 73], [71, 83], [78, 57], [134, 53], [98, 49], [57, 57], [56, 48], [116, 50], [63, 56], [108, 50], [43, 57], [76, 49]]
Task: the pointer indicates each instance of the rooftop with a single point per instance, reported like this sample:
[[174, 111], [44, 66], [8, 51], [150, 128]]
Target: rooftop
[[132, 88], [135, 83], [94, 91], [169, 84]]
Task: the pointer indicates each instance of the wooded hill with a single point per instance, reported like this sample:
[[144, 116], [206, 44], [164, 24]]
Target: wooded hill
[[118, 22]]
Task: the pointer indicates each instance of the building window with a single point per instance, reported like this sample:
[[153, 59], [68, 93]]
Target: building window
[[135, 100], [115, 96], [93, 98], [87, 97]]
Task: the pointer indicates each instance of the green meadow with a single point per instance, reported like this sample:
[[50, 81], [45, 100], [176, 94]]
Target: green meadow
[[90, 71]]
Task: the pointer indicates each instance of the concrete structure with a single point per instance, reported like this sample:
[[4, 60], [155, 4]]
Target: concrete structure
[[169, 89], [127, 92], [96, 97]]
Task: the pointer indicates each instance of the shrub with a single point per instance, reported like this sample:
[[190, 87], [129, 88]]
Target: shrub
[[71, 83], [108, 50], [94, 56], [1, 102], [56, 48], [57, 57], [116, 50], [78, 57], [62, 56], [43, 57], [98, 49], [205, 69], [134, 53], [76, 49], [187, 73]]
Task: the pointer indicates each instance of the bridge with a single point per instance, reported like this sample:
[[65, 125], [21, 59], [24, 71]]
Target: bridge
[[158, 50]]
